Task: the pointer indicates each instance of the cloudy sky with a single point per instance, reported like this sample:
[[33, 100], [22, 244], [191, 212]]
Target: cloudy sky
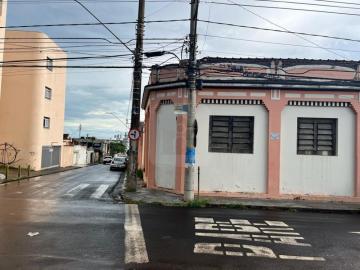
[[96, 97]]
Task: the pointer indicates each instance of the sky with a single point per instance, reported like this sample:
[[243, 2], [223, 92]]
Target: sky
[[98, 99]]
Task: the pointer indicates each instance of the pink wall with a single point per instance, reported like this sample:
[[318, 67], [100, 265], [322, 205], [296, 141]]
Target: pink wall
[[273, 103]]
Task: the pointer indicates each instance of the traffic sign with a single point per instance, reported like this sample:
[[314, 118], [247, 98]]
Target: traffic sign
[[134, 134]]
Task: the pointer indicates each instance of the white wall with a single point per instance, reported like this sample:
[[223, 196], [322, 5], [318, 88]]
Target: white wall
[[165, 147], [79, 155], [318, 175], [233, 172]]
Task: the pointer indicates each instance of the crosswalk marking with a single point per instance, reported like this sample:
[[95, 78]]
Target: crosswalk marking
[[99, 192], [72, 192]]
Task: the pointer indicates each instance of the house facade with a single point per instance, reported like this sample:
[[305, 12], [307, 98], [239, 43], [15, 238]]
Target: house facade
[[32, 103], [267, 128]]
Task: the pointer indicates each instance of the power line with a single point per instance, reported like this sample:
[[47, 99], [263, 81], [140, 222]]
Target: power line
[[89, 24], [285, 29], [306, 4], [105, 26], [279, 31], [276, 43], [284, 8]]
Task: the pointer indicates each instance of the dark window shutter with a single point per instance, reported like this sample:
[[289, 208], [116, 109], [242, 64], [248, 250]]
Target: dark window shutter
[[316, 136]]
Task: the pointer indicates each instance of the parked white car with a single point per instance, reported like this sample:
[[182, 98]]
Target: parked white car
[[118, 163], [107, 159]]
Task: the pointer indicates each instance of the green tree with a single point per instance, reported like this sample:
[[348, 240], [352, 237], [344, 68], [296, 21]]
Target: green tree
[[117, 147]]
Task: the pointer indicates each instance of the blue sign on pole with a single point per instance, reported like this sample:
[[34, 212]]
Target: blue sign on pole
[[190, 157]]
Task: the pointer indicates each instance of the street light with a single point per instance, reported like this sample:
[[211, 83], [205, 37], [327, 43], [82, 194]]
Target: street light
[[118, 118], [160, 53]]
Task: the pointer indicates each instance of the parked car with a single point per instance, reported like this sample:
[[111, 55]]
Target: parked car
[[118, 163], [107, 159]]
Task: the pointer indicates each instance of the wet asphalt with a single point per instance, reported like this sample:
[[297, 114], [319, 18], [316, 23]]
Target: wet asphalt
[[78, 224], [170, 239]]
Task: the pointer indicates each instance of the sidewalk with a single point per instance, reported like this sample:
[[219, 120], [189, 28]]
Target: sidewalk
[[159, 197], [14, 173]]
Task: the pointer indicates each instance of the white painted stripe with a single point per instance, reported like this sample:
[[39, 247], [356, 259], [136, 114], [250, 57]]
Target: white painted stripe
[[258, 94], [355, 232], [72, 192], [327, 96], [225, 235], [135, 247], [292, 95], [281, 233], [232, 94], [301, 258], [99, 192], [276, 223], [206, 93]]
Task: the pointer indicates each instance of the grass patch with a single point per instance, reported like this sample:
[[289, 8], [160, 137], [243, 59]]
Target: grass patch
[[198, 203]]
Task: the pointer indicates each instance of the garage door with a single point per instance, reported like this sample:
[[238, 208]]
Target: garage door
[[50, 156]]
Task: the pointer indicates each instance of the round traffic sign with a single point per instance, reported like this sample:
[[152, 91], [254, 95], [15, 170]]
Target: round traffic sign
[[134, 134]]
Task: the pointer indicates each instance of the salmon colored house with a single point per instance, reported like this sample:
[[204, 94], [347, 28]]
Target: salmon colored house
[[269, 128], [32, 102]]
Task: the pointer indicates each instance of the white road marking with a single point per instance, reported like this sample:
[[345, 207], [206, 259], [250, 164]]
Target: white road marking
[[204, 220], [301, 258], [276, 229], [72, 192], [259, 251], [276, 223], [135, 247], [281, 233], [289, 240], [208, 248], [99, 192], [355, 232], [225, 235], [240, 221]]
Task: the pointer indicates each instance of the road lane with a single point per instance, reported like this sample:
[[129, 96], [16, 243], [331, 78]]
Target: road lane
[[182, 238], [75, 232]]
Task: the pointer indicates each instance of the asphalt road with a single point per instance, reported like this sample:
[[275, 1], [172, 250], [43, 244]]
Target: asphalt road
[[62, 221], [179, 238], [68, 221]]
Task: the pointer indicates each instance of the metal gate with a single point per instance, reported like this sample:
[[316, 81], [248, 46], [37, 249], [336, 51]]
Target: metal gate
[[50, 156]]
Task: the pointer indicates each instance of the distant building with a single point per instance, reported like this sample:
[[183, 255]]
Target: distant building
[[267, 128], [32, 103]]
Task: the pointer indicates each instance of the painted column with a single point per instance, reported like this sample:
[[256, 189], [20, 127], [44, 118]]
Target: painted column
[[356, 108], [275, 108], [152, 146], [180, 153]]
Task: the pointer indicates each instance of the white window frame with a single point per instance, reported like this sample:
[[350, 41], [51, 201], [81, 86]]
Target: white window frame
[[48, 93], [46, 122]]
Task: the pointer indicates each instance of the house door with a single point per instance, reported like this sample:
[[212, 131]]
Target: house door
[[51, 156]]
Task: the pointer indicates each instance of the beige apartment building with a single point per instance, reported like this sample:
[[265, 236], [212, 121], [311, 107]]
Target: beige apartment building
[[3, 6], [32, 104]]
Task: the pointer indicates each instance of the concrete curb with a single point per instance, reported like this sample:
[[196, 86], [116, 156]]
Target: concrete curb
[[33, 176], [210, 202]]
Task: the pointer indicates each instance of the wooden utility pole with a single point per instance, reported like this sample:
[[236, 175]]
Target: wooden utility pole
[[191, 119], [136, 94]]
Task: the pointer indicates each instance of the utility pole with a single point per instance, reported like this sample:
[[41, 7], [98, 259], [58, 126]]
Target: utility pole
[[137, 75], [191, 120]]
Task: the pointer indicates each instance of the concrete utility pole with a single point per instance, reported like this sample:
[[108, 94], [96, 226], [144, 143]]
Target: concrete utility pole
[[192, 69], [137, 74]]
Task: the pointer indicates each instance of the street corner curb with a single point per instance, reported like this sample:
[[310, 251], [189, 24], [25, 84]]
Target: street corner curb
[[23, 178], [244, 206]]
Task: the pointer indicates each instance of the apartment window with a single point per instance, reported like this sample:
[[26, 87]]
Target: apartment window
[[231, 134], [49, 63], [48, 93], [46, 122], [316, 136]]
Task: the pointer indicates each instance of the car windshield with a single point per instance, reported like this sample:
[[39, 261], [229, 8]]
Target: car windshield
[[119, 159]]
